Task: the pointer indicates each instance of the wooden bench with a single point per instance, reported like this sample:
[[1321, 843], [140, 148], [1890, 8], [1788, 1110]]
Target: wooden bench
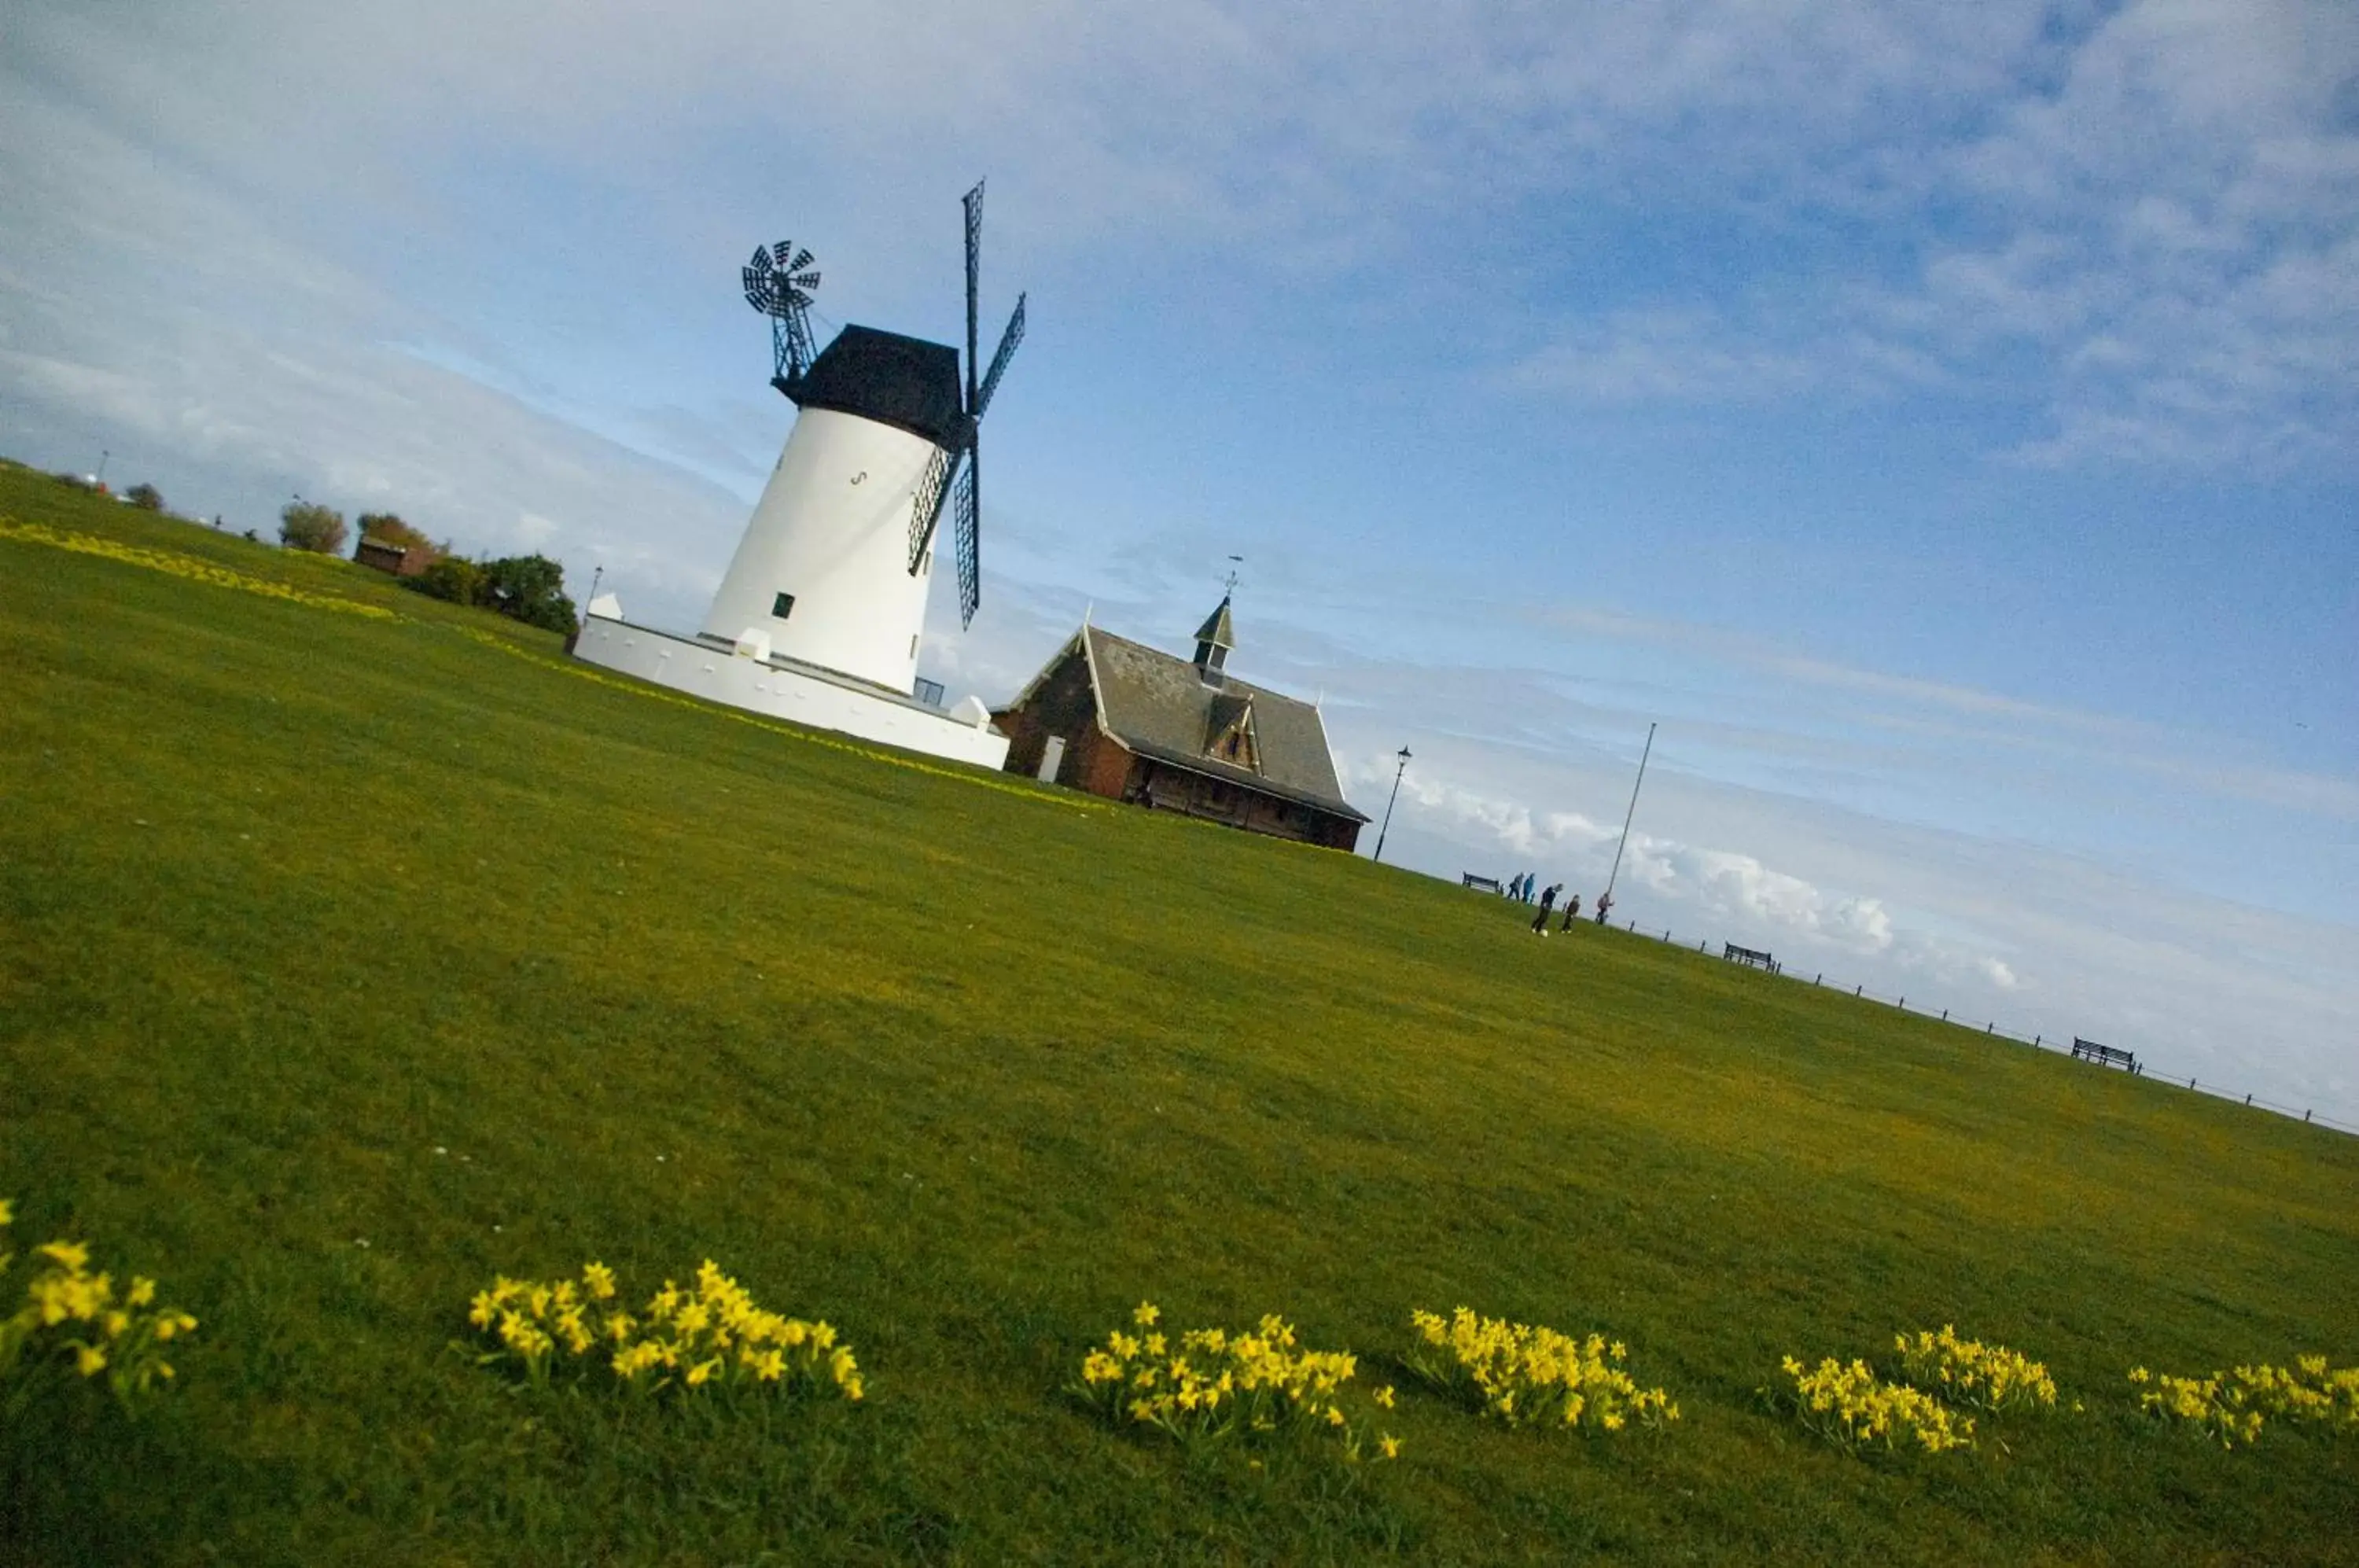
[[1751, 957], [2103, 1055], [1480, 884]]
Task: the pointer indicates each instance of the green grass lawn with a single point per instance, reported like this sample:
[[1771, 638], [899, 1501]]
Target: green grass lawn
[[294, 901]]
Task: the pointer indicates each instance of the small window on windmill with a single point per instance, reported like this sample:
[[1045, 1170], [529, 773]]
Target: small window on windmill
[[783, 605]]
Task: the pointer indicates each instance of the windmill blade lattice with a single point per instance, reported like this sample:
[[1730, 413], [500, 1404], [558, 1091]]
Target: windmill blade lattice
[[926, 511], [973, 205], [1007, 341], [968, 525]]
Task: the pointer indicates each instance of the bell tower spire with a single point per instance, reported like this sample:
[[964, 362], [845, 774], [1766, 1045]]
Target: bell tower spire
[[1214, 640]]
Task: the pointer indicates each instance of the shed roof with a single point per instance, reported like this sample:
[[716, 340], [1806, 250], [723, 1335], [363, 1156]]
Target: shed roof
[[1158, 706]]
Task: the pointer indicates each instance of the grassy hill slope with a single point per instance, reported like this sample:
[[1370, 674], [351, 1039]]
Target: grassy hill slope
[[294, 901]]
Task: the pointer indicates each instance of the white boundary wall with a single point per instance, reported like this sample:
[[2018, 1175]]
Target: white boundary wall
[[700, 669]]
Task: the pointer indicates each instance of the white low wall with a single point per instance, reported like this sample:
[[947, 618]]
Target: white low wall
[[716, 675]]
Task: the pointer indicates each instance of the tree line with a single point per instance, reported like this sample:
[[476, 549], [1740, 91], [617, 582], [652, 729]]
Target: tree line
[[528, 588]]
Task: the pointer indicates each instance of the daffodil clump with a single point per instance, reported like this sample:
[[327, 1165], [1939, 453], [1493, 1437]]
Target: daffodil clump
[[2232, 1406], [2309, 1390], [685, 1337], [1967, 1372], [1529, 1375], [185, 566], [1212, 1383], [71, 1316], [1851, 1406]]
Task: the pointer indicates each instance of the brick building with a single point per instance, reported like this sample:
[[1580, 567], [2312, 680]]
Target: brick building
[[1131, 723]]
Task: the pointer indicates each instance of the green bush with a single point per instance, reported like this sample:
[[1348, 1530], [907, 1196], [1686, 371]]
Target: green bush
[[307, 524], [531, 589], [454, 578]]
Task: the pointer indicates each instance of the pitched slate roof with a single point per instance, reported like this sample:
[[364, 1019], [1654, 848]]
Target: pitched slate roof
[[1159, 707]]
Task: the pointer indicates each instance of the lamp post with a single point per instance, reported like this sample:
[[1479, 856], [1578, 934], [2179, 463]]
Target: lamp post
[[1379, 855]]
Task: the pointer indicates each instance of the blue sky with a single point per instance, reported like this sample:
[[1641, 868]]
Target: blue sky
[[1942, 420]]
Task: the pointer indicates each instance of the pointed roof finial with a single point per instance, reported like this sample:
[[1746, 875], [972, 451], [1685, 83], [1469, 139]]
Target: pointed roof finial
[[1217, 630]]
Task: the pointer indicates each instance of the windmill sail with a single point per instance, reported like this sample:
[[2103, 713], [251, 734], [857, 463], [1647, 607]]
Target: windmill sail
[[968, 529], [1007, 341], [926, 510]]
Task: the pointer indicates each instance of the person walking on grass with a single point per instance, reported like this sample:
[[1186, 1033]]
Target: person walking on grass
[[1605, 903], [1548, 902], [1572, 913]]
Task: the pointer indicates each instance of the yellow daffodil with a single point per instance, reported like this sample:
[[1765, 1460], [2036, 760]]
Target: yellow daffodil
[[1525, 1373]]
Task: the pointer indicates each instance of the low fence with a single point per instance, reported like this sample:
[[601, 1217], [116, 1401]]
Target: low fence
[[2061, 1047]]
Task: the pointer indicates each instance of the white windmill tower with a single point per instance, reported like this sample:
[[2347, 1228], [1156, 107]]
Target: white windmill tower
[[818, 616], [835, 563]]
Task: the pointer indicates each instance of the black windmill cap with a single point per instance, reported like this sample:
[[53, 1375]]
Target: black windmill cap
[[905, 382]]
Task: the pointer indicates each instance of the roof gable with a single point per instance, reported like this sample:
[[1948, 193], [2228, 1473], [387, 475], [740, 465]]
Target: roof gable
[[1229, 731], [1160, 706]]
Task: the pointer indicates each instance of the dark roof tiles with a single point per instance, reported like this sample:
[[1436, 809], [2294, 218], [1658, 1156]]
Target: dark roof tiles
[[1158, 706]]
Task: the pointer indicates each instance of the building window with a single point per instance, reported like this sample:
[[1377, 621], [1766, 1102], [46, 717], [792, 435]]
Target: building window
[[913, 645], [783, 605]]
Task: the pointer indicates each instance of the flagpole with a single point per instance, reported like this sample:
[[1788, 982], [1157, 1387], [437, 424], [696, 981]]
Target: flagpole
[[1633, 811]]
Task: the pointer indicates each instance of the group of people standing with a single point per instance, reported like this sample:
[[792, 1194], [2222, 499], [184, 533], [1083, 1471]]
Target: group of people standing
[[1520, 889]]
